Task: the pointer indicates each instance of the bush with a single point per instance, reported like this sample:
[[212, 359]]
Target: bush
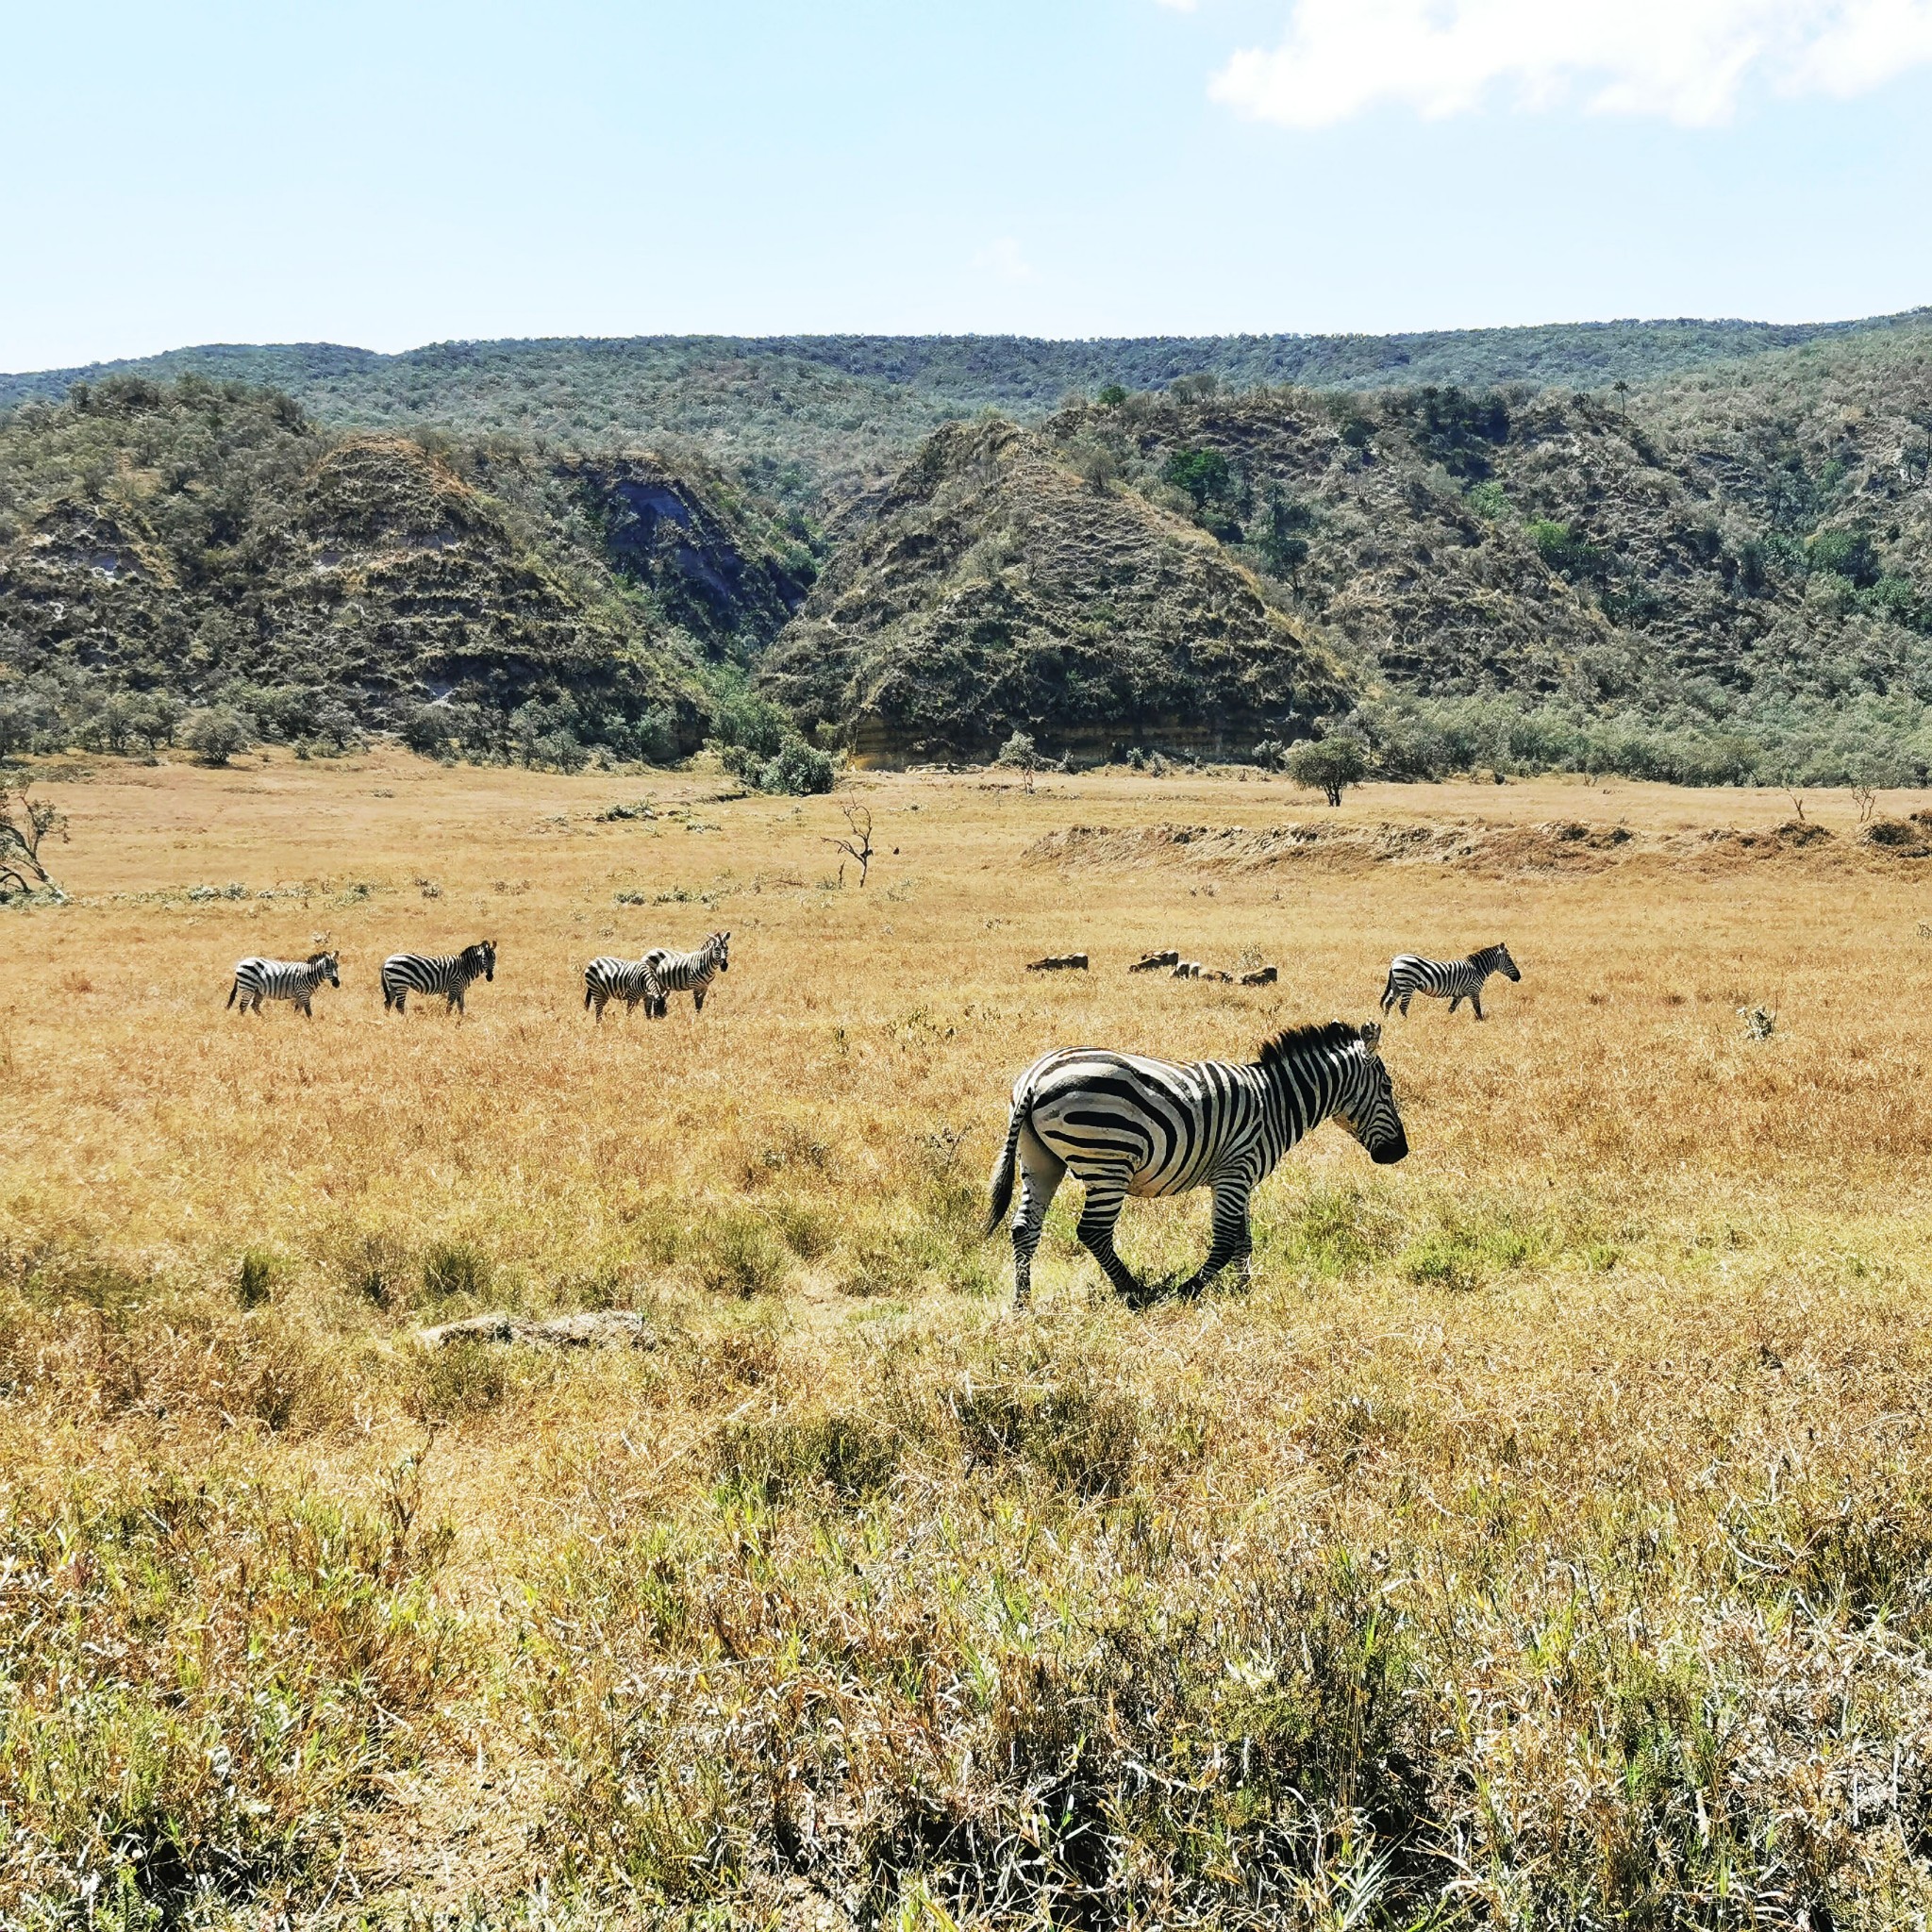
[[1328, 765], [456, 1268], [215, 736], [800, 769], [1203, 473], [738, 1254]]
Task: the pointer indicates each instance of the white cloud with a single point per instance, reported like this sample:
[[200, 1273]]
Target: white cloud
[[1682, 60], [1002, 259]]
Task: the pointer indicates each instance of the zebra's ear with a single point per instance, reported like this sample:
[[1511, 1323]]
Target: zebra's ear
[[1371, 1036]]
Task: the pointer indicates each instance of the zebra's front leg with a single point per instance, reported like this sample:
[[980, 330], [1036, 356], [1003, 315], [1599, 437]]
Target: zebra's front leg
[[697, 1001], [1475, 1001], [1098, 1217], [1232, 1241], [1041, 1173]]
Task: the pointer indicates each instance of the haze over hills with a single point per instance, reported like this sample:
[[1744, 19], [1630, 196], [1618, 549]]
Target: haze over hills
[[1698, 550]]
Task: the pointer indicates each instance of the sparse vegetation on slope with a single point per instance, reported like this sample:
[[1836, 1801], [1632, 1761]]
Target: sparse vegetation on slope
[[994, 591]]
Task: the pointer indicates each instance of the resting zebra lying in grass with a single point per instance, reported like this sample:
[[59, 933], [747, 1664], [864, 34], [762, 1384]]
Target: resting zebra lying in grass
[[282, 979], [629, 981], [1454, 980], [1125, 1125], [448, 973], [692, 972]]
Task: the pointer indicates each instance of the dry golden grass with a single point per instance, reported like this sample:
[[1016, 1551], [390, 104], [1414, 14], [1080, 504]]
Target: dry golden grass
[[1543, 1541]]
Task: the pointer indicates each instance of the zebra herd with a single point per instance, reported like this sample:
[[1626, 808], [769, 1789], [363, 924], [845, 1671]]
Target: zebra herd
[[449, 976], [1121, 1125]]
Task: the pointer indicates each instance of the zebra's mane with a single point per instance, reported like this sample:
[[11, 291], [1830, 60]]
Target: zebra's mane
[[1292, 1042], [315, 958]]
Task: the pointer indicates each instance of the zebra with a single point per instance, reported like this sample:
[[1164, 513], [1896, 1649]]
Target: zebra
[[629, 981], [448, 973], [282, 979], [1455, 980], [690, 973], [1126, 1125]]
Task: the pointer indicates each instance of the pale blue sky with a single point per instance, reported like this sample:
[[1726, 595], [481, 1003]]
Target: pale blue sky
[[393, 174]]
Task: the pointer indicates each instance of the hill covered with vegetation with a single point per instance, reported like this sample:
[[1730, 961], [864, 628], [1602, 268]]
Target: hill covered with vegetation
[[991, 591], [1718, 566], [208, 545], [798, 414]]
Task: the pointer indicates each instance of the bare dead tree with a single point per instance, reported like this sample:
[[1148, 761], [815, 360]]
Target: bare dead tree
[[1797, 799], [1866, 800], [26, 824], [859, 844]]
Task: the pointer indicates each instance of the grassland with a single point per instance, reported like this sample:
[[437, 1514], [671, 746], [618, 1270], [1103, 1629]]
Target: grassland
[[1543, 1541]]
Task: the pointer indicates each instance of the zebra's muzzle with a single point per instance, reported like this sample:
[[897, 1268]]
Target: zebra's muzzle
[[1389, 1151]]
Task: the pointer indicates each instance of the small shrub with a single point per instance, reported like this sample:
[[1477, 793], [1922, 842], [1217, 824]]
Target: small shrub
[[738, 1254], [800, 769], [456, 1268], [377, 1267], [216, 735], [254, 1279], [852, 1455], [458, 1379]]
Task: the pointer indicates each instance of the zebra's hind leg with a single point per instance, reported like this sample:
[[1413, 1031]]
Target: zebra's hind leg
[[1107, 1188], [1406, 998], [1041, 1173]]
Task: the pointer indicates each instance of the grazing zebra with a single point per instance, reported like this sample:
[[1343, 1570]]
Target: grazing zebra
[[1126, 1126], [448, 973], [629, 981], [282, 979], [690, 973], [1454, 980]]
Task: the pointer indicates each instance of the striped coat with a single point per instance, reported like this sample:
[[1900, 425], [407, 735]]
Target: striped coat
[[692, 972], [1454, 980], [447, 973], [1125, 1125], [294, 980], [629, 981]]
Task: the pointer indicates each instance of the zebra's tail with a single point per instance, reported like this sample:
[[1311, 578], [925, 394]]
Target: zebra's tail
[[1003, 1170], [234, 988], [1389, 994], [588, 990]]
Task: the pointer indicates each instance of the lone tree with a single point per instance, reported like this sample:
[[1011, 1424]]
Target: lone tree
[[859, 845], [1022, 754], [1328, 765], [25, 822]]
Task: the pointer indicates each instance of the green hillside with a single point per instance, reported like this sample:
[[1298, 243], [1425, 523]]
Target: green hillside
[[1718, 566], [992, 591], [793, 414], [211, 544]]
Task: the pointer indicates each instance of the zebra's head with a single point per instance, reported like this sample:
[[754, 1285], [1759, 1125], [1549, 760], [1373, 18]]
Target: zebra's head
[[1366, 1103], [719, 946], [1498, 960], [327, 962], [1343, 1065], [482, 957]]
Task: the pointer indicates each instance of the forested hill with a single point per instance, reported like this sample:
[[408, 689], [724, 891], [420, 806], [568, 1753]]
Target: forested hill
[[793, 413], [1720, 569]]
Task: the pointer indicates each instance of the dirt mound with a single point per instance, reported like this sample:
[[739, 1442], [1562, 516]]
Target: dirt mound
[[1557, 845]]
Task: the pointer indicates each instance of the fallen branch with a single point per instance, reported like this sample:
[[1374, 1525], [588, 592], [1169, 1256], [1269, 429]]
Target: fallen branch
[[1148, 963], [1060, 962], [1262, 975]]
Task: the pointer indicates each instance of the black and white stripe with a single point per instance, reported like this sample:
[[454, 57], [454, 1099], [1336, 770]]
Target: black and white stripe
[[447, 973], [1125, 1125], [1454, 980], [692, 972], [282, 979], [629, 981]]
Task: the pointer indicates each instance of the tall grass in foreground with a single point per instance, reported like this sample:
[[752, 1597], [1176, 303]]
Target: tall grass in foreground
[[1545, 1541]]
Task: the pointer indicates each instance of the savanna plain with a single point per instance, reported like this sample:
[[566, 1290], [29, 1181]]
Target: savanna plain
[[1540, 1539]]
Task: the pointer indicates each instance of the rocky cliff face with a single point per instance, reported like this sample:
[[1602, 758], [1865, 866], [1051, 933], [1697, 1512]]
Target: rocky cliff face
[[992, 591]]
